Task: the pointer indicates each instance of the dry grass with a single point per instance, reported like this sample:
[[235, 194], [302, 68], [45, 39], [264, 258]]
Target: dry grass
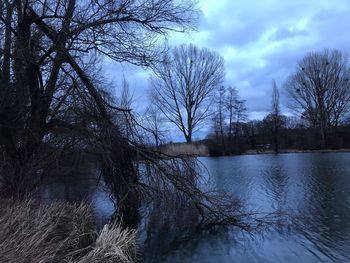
[[185, 149], [112, 245], [61, 232]]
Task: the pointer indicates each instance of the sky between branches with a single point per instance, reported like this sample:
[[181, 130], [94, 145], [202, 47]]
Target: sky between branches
[[259, 40]]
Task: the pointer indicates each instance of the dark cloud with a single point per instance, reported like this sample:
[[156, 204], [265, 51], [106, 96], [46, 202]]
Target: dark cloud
[[261, 40], [264, 40]]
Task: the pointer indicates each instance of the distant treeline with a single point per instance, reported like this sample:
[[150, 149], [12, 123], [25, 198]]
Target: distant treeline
[[319, 97], [293, 134]]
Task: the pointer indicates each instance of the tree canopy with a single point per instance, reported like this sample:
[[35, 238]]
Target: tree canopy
[[183, 85]]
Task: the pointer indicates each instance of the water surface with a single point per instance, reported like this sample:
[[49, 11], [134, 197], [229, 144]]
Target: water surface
[[313, 187]]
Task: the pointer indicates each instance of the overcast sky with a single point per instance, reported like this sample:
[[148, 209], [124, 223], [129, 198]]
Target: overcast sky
[[259, 40]]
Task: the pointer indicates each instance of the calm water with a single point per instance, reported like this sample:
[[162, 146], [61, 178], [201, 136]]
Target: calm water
[[314, 187]]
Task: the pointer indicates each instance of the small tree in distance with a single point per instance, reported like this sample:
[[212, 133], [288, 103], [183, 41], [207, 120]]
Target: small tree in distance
[[228, 122], [155, 124], [183, 85], [276, 112], [231, 105]]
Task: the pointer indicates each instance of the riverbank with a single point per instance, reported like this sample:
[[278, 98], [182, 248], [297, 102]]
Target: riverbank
[[285, 151], [201, 150], [61, 232], [184, 149]]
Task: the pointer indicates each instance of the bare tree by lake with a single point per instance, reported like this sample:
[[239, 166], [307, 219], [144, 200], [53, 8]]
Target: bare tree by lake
[[228, 122], [54, 103], [51, 98], [183, 84], [238, 113], [231, 106], [154, 122], [319, 89], [276, 112], [219, 116]]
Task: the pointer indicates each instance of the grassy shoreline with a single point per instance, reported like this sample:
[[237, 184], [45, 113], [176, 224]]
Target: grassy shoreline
[[201, 150], [181, 149], [286, 151]]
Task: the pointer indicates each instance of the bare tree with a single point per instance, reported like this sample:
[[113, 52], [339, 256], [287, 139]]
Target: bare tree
[[276, 112], [228, 120], [183, 84], [50, 90], [219, 117], [240, 117], [231, 103], [125, 102], [155, 124], [52, 98], [319, 89]]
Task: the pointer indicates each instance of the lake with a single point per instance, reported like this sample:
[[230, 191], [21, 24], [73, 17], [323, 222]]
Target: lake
[[313, 187]]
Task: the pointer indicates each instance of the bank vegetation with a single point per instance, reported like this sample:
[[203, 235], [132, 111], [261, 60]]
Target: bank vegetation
[[60, 232]]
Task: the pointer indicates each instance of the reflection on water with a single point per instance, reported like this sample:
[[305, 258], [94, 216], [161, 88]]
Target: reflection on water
[[83, 183], [314, 186]]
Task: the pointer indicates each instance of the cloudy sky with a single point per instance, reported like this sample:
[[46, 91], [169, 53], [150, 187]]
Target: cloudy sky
[[259, 40]]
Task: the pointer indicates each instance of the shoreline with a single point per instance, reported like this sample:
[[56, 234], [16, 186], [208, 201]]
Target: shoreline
[[286, 151], [201, 150], [269, 152]]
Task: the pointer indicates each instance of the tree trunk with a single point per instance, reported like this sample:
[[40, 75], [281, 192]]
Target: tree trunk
[[323, 137], [188, 138], [275, 134]]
